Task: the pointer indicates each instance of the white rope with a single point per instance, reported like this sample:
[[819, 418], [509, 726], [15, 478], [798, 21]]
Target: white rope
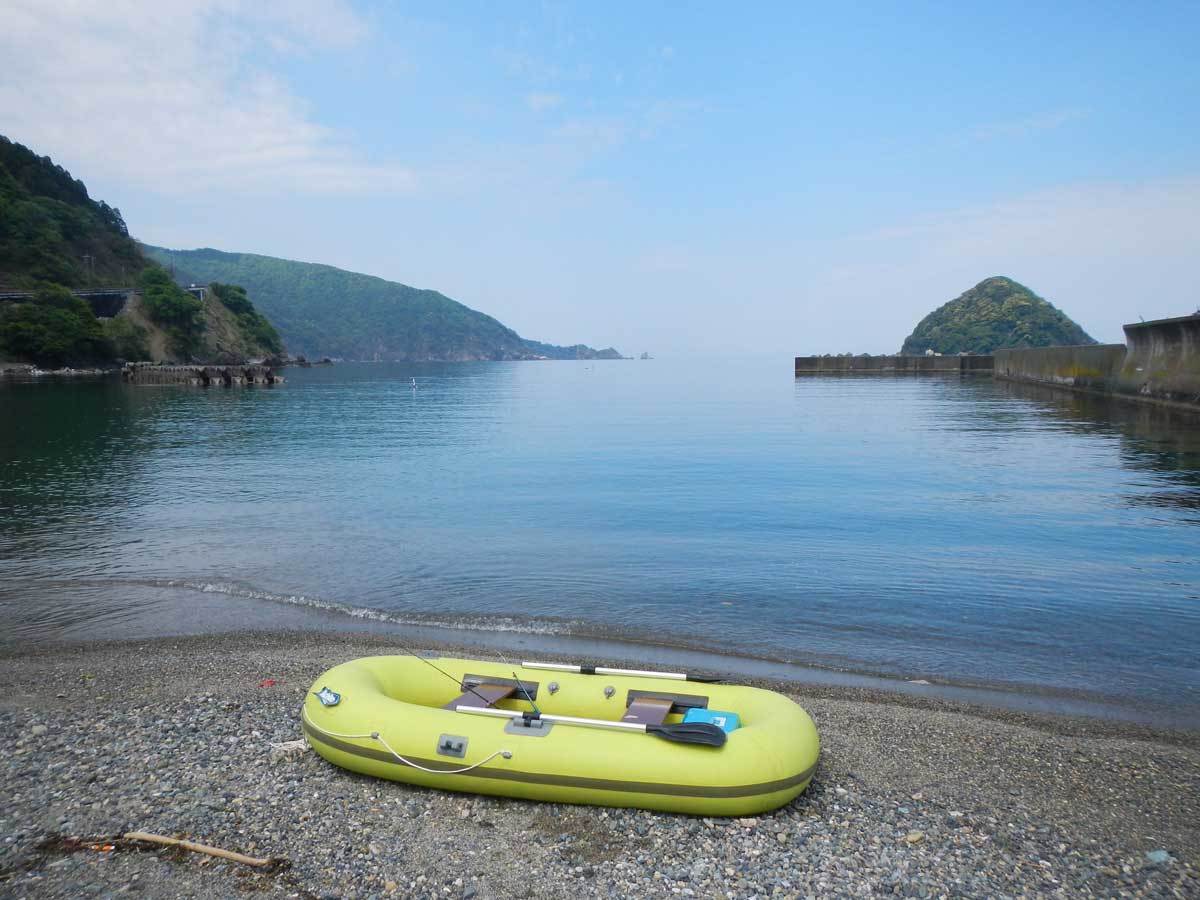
[[376, 736]]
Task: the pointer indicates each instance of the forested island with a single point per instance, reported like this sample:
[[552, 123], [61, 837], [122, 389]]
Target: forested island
[[996, 313]]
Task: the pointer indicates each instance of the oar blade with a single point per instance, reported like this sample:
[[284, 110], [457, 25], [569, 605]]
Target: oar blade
[[705, 679], [703, 733]]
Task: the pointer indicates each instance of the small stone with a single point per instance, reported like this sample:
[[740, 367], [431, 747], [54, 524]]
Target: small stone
[[391, 887], [1159, 858], [914, 837], [747, 823], [38, 730]]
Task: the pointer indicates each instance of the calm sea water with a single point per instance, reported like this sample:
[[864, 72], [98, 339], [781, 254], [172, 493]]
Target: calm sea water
[[945, 529]]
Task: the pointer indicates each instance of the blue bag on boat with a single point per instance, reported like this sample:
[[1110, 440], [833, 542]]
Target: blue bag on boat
[[726, 721]]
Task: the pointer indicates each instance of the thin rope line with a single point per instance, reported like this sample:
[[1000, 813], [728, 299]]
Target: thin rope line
[[376, 736], [462, 685]]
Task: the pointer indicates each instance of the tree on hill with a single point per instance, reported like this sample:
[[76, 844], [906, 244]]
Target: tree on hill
[[254, 325], [51, 230], [54, 329], [177, 311], [998, 312]]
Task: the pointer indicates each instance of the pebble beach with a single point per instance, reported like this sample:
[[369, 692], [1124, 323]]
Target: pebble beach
[[188, 737]]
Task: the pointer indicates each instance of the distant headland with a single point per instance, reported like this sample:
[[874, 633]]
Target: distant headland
[[77, 291]]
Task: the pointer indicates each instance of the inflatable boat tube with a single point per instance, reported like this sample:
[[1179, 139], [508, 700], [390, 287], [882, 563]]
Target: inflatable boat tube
[[397, 717]]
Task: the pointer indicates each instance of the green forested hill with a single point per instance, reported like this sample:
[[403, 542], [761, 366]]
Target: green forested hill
[[54, 238], [323, 311], [52, 231], [997, 312]]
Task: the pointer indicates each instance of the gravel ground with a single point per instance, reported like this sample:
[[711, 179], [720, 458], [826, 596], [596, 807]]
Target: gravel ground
[[914, 797]]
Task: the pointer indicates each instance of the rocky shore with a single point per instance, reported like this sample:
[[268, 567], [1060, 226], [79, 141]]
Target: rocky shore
[[25, 370], [914, 797]]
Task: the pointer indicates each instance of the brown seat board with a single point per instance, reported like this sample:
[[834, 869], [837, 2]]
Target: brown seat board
[[482, 695], [647, 711]]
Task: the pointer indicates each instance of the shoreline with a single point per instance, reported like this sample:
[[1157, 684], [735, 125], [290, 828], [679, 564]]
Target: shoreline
[[576, 641], [913, 794], [875, 689]]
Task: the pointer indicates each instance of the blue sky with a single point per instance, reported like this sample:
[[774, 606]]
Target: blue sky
[[781, 178]]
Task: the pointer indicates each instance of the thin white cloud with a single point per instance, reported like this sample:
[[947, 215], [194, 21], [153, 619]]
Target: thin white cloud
[[1017, 128], [592, 134], [540, 102], [175, 97]]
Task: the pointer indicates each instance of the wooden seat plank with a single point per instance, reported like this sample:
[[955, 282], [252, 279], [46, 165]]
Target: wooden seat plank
[[647, 711], [482, 695]]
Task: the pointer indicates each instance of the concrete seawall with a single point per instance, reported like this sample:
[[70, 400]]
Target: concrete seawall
[[1095, 366], [890, 365], [1163, 359], [1160, 361]]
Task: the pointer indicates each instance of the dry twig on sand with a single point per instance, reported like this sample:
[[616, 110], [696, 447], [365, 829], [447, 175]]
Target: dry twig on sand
[[199, 848]]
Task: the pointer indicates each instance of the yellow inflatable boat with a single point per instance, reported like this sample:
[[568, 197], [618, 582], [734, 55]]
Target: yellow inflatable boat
[[562, 733]]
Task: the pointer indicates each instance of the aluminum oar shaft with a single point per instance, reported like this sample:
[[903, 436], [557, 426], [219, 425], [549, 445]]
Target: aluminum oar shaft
[[605, 670], [549, 717]]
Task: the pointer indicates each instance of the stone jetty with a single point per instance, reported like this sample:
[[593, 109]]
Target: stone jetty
[[200, 376]]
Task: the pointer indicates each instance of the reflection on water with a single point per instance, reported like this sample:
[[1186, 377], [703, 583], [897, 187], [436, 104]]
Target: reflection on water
[[1162, 439], [948, 528]]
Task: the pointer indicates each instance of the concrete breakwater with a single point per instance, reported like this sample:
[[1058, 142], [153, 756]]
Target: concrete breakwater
[[888, 365], [201, 376], [1094, 366], [1159, 360]]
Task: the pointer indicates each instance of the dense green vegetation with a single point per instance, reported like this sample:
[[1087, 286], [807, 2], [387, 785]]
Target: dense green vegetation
[[253, 324], [129, 340], [323, 311], [53, 329], [54, 237], [179, 313], [52, 231], [997, 312]]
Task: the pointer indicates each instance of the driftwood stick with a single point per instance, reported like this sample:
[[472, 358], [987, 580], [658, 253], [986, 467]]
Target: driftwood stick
[[197, 848]]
